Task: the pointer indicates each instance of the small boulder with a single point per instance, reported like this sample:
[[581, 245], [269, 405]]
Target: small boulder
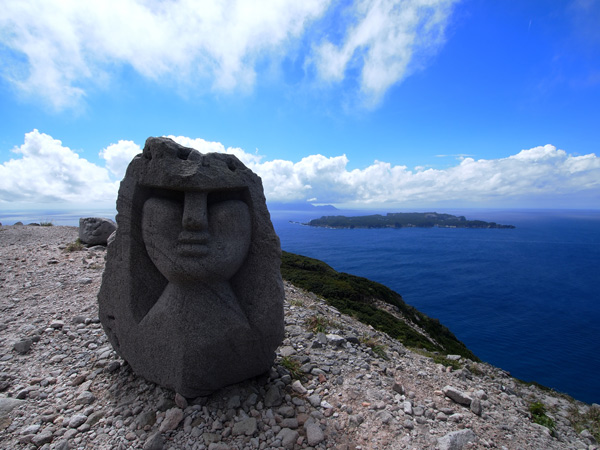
[[288, 437], [45, 437], [273, 397], [245, 427], [95, 230], [6, 405], [298, 387], [457, 396], [181, 401], [476, 407], [335, 340], [77, 420], [314, 434], [398, 388], [85, 398], [172, 419], [154, 442], [22, 346], [456, 440]]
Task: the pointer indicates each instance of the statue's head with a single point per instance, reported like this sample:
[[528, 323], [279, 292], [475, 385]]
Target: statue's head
[[194, 219]]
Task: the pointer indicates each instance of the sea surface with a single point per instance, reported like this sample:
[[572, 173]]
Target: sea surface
[[525, 299]]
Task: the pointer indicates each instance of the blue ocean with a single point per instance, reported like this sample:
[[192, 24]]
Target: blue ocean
[[523, 299]]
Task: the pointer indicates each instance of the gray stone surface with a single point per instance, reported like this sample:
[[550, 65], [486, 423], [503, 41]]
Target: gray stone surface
[[173, 418], [42, 438], [154, 442], [288, 437], [22, 346], [457, 396], [314, 434], [476, 406], [128, 411], [7, 404], [95, 230], [76, 420], [245, 427], [192, 295], [456, 440], [273, 397]]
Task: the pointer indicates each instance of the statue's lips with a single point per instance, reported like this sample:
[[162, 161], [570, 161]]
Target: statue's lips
[[193, 243]]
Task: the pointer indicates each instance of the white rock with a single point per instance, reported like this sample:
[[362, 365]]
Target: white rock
[[456, 440]]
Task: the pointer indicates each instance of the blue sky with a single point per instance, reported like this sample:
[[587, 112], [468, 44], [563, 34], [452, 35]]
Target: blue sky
[[388, 104]]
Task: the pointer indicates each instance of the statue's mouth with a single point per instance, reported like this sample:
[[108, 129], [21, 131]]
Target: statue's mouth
[[193, 237], [193, 243]]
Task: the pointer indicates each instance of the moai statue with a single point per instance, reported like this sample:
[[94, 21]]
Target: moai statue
[[192, 296]]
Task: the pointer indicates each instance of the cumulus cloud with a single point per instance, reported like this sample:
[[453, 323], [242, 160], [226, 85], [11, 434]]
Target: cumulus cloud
[[118, 156], [389, 39], [58, 50], [48, 171]]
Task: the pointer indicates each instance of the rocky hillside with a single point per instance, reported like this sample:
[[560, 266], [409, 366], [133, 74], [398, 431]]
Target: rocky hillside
[[336, 384], [373, 304]]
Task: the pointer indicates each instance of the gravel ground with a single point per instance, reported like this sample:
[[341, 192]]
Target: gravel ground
[[336, 383]]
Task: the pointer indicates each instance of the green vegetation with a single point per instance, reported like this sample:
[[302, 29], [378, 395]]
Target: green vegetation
[[356, 297], [475, 369], [46, 223], [440, 359], [292, 366], [296, 302], [590, 420], [400, 220], [74, 246], [317, 324], [538, 415], [377, 347]]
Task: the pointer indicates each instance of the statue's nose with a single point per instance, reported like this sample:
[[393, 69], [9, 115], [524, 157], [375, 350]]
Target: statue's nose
[[195, 211]]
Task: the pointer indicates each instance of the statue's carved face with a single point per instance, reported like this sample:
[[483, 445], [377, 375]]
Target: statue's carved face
[[196, 235]]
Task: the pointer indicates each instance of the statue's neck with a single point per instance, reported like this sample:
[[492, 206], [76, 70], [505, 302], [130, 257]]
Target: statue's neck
[[210, 298], [199, 289]]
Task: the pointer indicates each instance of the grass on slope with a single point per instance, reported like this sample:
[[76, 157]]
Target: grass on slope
[[354, 296]]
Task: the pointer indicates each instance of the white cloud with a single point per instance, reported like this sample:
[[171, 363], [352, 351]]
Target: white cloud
[[58, 49], [390, 39], [69, 45], [119, 155], [47, 171]]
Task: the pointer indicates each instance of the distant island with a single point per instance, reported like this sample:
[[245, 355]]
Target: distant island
[[403, 220]]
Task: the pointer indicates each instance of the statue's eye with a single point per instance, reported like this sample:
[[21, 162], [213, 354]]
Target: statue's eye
[[169, 194], [223, 196]]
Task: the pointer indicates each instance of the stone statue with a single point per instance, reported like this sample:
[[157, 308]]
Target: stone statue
[[192, 296]]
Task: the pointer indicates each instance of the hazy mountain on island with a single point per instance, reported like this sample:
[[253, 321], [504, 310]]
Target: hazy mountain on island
[[299, 206]]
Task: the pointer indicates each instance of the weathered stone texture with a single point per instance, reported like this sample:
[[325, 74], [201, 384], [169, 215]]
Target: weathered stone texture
[[192, 295], [95, 230]]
